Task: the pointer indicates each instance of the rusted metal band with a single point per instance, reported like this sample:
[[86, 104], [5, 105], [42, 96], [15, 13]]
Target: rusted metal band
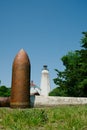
[[19, 103]]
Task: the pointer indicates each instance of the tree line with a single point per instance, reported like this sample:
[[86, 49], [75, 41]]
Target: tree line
[[4, 91], [72, 81]]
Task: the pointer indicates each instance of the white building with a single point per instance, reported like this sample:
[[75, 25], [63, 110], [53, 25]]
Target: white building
[[34, 89], [45, 82]]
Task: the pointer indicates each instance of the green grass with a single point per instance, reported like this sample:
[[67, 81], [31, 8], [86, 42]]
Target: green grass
[[57, 118]]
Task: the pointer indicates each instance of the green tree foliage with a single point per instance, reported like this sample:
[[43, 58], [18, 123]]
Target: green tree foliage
[[58, 92], [0, 81], [4, 91], [73, 80]]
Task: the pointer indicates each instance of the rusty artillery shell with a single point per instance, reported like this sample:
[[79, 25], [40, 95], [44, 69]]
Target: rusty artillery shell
[[20, 88]]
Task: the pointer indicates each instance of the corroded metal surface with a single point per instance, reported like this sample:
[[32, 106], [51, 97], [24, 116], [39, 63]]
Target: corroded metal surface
[[20, 88], [4, 101]]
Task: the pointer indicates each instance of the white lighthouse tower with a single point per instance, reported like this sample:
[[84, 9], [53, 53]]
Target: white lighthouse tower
[[45, 81]]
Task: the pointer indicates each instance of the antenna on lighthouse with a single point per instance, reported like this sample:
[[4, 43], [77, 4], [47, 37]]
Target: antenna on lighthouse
[[45, 81]]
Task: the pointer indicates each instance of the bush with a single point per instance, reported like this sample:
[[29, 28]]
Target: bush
[[4, 91]]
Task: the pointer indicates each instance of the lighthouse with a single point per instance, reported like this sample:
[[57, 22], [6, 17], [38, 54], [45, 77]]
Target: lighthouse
[[45, 81]]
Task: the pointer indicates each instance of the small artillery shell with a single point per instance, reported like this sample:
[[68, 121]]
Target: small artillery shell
[[20, 88]]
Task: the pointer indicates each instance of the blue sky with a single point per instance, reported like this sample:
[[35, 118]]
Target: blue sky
[[45, 29]]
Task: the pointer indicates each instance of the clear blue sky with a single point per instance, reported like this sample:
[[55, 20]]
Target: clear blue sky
[[45, 29]]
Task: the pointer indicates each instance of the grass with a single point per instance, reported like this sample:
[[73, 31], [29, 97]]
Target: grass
[[57, 118]]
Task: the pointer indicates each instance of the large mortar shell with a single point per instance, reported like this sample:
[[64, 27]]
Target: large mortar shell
[[20, 88], [4, 101]]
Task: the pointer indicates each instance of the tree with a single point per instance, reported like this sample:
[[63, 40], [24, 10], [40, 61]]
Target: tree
[[84, 40], [73, 80], [4, 91], [0, 82], [58, 92]]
